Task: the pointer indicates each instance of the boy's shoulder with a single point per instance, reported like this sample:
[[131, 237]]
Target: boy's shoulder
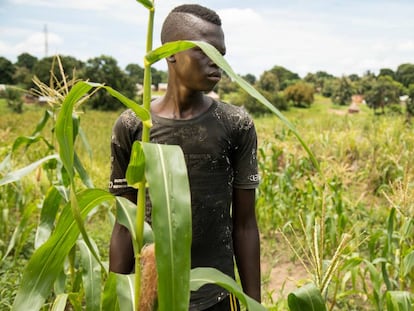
[[235, 114], [128, 120]]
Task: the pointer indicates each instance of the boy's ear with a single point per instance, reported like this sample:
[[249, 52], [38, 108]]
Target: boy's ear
[[171, 59]]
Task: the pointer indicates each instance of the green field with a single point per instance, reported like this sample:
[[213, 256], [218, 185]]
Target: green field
[[359, 207]]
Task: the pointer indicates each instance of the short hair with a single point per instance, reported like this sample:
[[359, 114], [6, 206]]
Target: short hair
[[176, 20]]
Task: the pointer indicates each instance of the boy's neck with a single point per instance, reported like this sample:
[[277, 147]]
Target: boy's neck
[[181, 106]]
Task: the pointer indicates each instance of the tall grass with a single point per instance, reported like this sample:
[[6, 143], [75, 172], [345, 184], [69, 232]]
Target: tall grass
[[367, 161]]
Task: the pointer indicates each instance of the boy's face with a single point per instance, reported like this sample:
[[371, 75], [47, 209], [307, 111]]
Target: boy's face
[[193, 69]]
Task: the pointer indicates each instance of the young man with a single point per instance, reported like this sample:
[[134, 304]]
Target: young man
[[219, 143]]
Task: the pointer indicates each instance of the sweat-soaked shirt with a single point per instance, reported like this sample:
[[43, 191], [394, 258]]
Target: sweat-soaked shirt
[[220, 148]]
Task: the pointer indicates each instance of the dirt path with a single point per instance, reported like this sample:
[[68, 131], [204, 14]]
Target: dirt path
[[281, 271]]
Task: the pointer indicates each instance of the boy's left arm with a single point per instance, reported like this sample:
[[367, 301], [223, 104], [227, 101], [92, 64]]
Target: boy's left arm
[[246, 241]]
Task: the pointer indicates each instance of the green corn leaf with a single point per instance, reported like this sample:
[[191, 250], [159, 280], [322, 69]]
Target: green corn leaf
[[202, 276], [85, 142], [136, 167], [408, 263], [91, 276], [47, 261], [48, 214], [126, 215], [28, 140], [20, 229], [18, 174], [83, 174], [60, 302], [169, 190], [375, 275], [177, 46], [42, 123], [125, 291], [166, 50], [109, 300], [5, 163], [75, 301], [306, 298], [399, 301], [65, 127], [143, 114], [147, 3]]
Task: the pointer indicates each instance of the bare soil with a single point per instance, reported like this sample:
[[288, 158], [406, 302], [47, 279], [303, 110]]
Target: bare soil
[[282, 272]]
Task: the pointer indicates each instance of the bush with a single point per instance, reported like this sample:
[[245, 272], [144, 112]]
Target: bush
[[13, 99], [300, 94]]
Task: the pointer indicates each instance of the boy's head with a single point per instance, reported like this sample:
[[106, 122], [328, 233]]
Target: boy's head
[[181, 22], [192, 68]]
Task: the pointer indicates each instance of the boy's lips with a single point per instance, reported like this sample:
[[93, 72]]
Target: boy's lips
[[215, 75]]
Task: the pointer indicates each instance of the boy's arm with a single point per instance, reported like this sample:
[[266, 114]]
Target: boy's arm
[[121, 251], [246, 241]]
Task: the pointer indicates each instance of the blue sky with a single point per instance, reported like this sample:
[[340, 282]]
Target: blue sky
[[340, 37]]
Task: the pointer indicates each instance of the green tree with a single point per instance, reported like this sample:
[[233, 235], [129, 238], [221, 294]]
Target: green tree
[[386, 72], [250, 78], [157, 77], [405, 74], [253, 106], [343, 91], [226, 86], [284, 76], [300, 94], [385, 91], [105, 69], [364, 84], [7, 70], [13, 98], [135, 73], [354, 77], [410, 102], [23, 77], [268, 82], [26, 60], [318, 80]]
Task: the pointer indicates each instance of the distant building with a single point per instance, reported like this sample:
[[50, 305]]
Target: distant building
[[356, 101]]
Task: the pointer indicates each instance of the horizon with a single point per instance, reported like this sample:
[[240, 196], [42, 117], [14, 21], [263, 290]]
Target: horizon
[[338, 37]]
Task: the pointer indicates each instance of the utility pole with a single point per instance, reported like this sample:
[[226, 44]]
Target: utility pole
[[46, 43]]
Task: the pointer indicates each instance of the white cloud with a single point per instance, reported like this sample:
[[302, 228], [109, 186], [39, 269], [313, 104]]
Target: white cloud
[[406, 46], [73, 4]]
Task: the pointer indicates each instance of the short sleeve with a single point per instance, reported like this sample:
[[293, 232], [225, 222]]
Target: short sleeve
[[124, 133], [245, 167]]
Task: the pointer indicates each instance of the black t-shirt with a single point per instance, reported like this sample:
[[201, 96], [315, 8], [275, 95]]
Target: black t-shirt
[[219, 147]]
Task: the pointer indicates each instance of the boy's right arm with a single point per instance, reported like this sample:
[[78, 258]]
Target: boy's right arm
[[121, 251]]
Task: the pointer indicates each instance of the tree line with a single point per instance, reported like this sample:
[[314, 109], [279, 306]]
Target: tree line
[[282, 87]]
